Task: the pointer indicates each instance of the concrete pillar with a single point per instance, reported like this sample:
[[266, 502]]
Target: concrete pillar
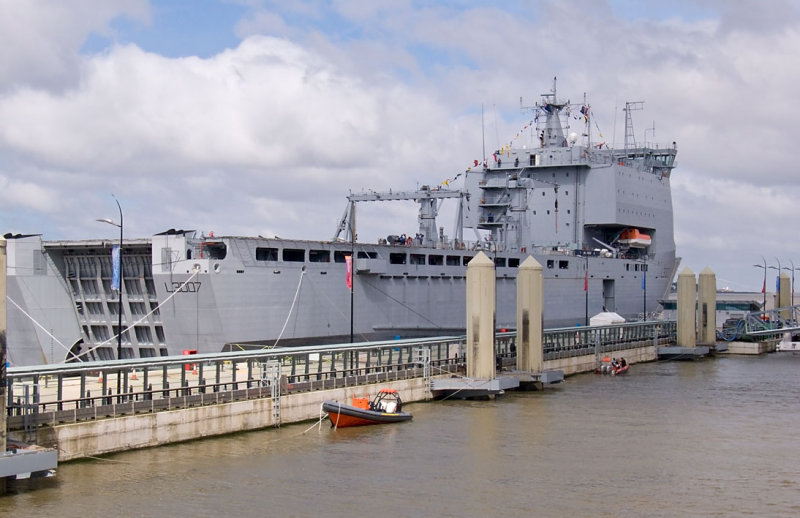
[[480, 317], [707, 307], [785, 295], [530, 301], [687, 336], [3, 425]]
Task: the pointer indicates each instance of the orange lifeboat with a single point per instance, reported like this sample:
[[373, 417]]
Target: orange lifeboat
[[634, 239]]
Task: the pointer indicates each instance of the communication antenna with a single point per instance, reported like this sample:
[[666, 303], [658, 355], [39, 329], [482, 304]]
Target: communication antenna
[[630, 139], [483, 137]]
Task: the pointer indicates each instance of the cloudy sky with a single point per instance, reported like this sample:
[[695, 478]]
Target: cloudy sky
[[254, 117]]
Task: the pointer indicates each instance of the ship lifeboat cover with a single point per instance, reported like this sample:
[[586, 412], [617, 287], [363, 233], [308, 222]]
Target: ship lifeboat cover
[[633, 238]]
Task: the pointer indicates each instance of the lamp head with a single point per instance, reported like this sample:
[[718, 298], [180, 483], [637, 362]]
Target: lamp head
[[107, 220]]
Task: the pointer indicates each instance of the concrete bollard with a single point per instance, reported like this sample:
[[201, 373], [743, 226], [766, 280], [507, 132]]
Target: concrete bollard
[[687, 335], [480, 317], [530, 300], [707, 307]]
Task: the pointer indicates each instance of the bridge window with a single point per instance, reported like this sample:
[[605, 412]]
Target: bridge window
[[266, 254], [294, 255], [563, 265], [513, 262], [367, 255], [215, 250], [339, 255], [550, 264], [500, 262], [417, 259], [319, 256], [467, 259], [453, 260], [435, 260], [397, 258]]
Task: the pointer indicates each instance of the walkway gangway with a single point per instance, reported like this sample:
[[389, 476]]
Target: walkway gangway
[[772, 321]]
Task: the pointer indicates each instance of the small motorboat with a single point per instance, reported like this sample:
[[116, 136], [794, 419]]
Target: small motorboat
[[385, 408], [621, 367], [613, 366]]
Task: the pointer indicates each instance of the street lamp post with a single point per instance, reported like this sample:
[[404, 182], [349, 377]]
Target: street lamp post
[[121, 284], [763, 286]]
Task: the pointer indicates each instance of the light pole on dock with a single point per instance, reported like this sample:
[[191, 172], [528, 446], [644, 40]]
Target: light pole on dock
[[777, 283], [764, 285], [120, 280]]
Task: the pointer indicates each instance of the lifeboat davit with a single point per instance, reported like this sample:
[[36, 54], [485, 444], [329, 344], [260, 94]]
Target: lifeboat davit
[[634, 239]]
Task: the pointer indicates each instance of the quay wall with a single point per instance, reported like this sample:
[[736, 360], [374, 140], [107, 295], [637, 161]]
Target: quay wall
[[104, 436], [587, 362], [144, 430]]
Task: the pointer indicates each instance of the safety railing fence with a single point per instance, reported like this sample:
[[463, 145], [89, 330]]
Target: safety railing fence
[[772, 321], [577, 341], [53, 394]]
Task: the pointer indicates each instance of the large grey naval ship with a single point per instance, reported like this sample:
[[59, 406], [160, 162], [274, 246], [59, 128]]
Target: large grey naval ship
[[598, 220]]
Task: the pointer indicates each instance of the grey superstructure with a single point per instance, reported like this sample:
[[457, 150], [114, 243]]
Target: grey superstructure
[[599, 221]]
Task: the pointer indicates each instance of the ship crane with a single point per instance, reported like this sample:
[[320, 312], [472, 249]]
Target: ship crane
[[428, 200]]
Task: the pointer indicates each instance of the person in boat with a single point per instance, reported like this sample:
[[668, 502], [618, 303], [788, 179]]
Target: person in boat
[[614, 363], [622, 363]]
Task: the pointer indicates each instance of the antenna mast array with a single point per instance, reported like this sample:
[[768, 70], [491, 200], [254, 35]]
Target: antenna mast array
[[630, 139]]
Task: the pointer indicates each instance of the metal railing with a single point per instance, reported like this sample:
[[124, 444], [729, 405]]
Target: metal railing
[[55, 394], [773, 321]]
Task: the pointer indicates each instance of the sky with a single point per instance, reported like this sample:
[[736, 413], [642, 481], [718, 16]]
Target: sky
[[258, 117]]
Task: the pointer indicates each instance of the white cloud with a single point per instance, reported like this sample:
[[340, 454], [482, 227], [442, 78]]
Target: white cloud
[[40, 39], [320, 98]]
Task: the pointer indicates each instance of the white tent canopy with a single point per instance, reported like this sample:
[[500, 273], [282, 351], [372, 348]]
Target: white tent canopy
[[606, 318]]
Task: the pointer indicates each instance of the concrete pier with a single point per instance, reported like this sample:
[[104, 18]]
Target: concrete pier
[[530, 300], [687, 334], [687, 348], [707, 307], [785, 294], [480, 317]]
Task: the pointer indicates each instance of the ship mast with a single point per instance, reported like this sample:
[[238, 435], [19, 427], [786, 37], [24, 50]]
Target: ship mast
[[630, 138], [553, 132]]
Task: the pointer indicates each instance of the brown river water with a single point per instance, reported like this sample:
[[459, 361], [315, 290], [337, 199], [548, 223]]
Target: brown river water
[[715, 437]]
